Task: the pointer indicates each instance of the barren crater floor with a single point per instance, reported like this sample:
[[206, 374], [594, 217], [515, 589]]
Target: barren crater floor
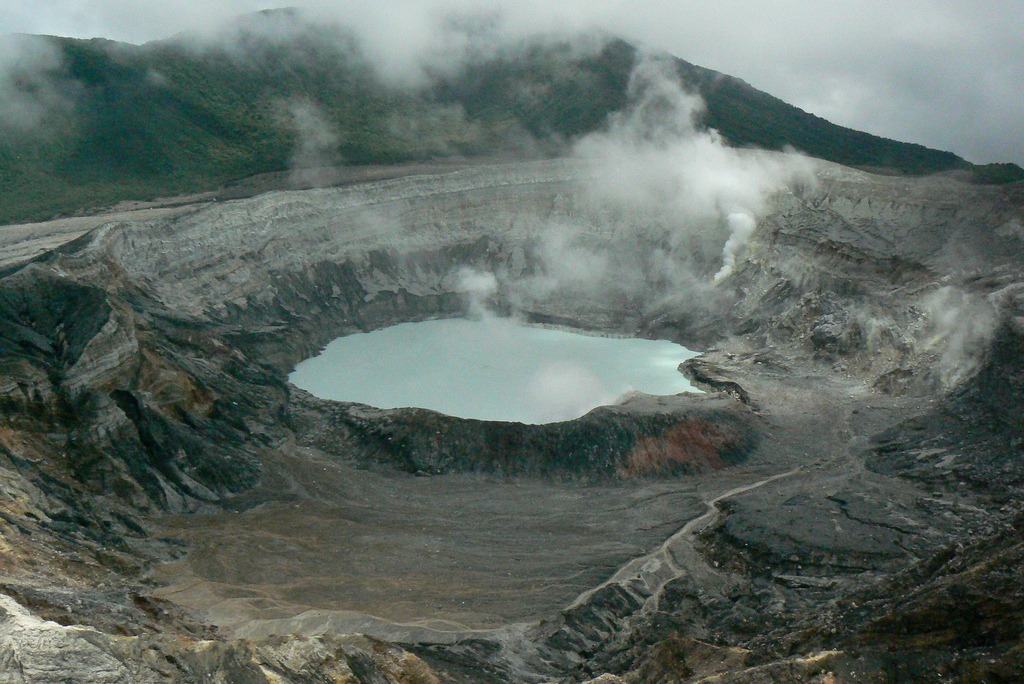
[[453, 553]]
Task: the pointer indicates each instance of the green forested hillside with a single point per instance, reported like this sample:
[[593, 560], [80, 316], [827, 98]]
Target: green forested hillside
[[169, 117], [162, 119]]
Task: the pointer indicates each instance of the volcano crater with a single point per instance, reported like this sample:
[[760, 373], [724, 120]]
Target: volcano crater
[[145, 393]]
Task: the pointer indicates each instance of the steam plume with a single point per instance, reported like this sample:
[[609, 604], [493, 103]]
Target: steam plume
[[316, 146], [563, 391], [963, 323], [480, 287], [655, 159], [741, 228]]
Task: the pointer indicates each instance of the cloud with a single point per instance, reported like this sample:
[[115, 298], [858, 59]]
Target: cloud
[[943, 73], [935, 72], [33, 89], [410, 39]]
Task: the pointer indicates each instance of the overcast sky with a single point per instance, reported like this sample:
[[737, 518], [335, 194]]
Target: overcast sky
[[944, 73]]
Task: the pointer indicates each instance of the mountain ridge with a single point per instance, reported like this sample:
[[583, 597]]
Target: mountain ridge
[[165, 118]]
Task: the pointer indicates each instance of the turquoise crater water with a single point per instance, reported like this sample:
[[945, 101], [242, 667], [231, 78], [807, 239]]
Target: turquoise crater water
[[491, 369]]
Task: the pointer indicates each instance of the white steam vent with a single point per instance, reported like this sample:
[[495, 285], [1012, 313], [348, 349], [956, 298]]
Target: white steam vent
[[491, 369], [655, 160]]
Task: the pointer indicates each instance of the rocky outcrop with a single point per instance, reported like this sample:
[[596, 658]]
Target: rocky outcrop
[[39, 651]]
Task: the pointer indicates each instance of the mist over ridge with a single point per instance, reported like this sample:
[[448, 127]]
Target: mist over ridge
[[88, 123]]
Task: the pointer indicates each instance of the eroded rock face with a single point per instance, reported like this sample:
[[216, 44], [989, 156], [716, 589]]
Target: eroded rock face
[[867, 333]]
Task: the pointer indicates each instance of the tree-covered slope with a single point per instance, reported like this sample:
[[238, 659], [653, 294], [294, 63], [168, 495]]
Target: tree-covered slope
[[135, 122]]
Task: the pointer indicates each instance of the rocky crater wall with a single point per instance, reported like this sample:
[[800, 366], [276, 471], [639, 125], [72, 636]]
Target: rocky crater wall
[[188, 325], [143, 371]]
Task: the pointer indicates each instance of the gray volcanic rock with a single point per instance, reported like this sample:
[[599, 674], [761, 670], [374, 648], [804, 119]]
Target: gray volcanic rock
[[974, 437], [161, 478], [40, 651]]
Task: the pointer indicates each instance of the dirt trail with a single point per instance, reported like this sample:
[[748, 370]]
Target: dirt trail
[[677, 555]]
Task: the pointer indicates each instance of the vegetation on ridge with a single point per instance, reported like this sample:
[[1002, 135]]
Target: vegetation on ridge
[[164, 118]]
